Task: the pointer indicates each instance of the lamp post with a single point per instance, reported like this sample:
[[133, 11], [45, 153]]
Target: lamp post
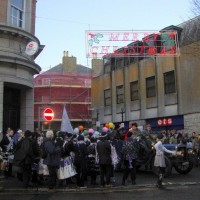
[[122, 114], [97, 125]]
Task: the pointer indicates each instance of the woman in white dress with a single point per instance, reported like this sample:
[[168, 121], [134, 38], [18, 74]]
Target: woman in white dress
[[160, 158]]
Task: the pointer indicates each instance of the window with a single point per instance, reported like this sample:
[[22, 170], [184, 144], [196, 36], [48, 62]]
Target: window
[[46, 81], [151, 87], [107, 97], [134, 90], [169, 81], [16, 13], [120, 94]]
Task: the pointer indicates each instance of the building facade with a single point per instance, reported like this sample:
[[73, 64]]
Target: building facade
[[17, 67], [162, 91], [66, 84]]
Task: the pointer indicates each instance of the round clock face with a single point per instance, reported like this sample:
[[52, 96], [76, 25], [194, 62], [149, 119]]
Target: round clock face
[[31, 48]]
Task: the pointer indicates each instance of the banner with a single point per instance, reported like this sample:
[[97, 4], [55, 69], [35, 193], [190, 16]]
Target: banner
[[66, 124]]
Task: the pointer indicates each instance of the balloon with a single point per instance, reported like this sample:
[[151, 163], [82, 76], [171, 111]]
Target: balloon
[[107, 125], [90, 130], [111, 125], [85, 131], [80, 128], [96, 134], [104, 129], [76, 131]]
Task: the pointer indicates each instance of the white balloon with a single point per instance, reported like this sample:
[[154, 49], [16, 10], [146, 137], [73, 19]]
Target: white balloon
[[96, 134], [76, 131]]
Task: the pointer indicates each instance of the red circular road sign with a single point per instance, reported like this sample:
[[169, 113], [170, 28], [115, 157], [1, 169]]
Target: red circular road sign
[[48, 114]]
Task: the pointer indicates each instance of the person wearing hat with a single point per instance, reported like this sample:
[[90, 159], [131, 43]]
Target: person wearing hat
[[160, 158]]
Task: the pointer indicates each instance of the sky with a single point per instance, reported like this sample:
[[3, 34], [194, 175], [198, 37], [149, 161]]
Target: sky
[[61, 24]]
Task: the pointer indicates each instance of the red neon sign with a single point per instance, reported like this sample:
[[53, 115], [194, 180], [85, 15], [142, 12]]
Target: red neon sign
[[131, 43]]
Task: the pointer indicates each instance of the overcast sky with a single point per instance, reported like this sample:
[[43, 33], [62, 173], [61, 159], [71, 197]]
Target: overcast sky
[[61, 24]]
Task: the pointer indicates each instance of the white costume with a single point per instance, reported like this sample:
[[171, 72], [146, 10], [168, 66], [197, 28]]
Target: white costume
[[160, 158]]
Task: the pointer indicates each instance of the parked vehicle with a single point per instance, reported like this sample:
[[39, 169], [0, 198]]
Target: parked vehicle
[[183, 161]]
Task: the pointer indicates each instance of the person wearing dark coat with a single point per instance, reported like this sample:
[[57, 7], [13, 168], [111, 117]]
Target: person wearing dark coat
[[24, 157], [130, 152], [52, 159], [105, 161], [36, 151], [80, 161], [93, 167]]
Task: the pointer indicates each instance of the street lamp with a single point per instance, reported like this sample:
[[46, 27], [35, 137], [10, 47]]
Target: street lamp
[[97, 121], [122, 114]]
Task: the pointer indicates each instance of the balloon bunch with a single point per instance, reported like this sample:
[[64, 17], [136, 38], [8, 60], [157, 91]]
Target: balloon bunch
[[80, 130], [110, 125]]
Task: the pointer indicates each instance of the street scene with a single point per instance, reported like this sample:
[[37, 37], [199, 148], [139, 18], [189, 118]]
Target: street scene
[[99, 99]]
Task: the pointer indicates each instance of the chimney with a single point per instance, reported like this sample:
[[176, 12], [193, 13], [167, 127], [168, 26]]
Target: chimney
[[69, 63], [97, 67], [65, 53]]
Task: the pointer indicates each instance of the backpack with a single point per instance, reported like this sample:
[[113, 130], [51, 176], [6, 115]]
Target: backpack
[[43, 151]]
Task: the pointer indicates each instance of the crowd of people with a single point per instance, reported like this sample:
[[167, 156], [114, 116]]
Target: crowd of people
[[88, 155]]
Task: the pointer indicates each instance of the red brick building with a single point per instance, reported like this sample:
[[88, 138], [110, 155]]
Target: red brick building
[[65, 84]]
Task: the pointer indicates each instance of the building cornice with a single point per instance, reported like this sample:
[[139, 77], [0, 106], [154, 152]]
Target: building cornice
[[27, 63]]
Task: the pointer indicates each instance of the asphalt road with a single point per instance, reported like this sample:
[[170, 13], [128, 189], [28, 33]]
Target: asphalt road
[[148, 193], [177, 186]]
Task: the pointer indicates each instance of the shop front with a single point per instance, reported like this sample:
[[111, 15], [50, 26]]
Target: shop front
[[167, 123]]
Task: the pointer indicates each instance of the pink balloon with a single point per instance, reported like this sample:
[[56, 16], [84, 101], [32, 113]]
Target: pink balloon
[[90, 130], [105, 129]]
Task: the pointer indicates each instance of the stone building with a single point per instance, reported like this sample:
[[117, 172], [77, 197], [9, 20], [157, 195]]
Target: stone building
[[162, 91], [17, 66]]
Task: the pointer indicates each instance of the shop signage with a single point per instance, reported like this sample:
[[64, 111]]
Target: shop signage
[[165, 121]]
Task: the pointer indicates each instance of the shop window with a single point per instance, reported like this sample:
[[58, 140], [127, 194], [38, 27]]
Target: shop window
[[17, 13], [134, 91], [107, 97], [150, 87], [120, 94], [169, 82]]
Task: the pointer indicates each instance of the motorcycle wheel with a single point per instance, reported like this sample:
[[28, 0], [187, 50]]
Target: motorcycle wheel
[[168, 168], [184, 167]]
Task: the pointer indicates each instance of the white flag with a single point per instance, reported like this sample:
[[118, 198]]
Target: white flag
[[66, 124]]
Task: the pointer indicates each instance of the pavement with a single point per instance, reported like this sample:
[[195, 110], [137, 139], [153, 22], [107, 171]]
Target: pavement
[[145, 181]]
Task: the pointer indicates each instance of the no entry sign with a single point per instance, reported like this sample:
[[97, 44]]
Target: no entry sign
[[48, 114]]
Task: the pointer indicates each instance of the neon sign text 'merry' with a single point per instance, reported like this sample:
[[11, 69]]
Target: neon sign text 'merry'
[[132, 43]]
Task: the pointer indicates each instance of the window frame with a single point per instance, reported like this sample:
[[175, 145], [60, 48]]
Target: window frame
[[17, 15], [107, 97], [120, 94], [134, 89], [150, 87], [169, 82]]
